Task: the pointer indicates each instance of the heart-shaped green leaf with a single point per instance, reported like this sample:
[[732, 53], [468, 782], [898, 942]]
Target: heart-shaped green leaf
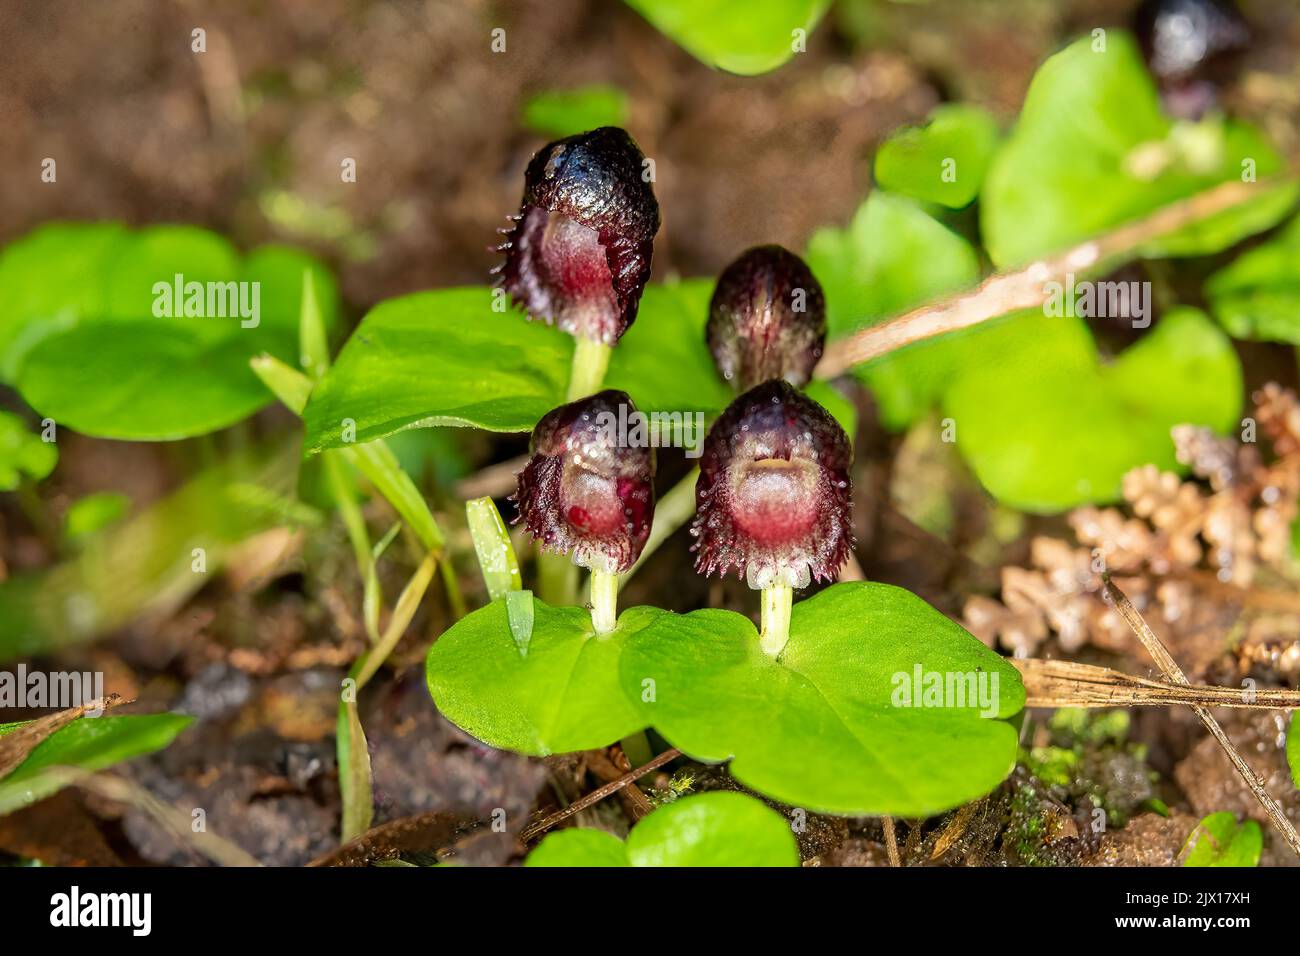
[[1047, 427], [447, 358], [943, 161], [891, 257], [1219, 840], [745, 38], [1258, 295], [439, 358], [708, 829], [559, 691], [848, 720], [96, 305], [85, 744], [1092, 150], [579, 847]]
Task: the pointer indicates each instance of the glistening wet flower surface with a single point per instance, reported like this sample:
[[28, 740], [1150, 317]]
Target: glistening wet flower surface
[[774, 493], [582, 492], [767, 319], [578, 254]]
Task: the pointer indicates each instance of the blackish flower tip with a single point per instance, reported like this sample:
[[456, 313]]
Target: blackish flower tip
[[767, 319], [774, 495], [1190, 47], [578, 254], [582, 491]]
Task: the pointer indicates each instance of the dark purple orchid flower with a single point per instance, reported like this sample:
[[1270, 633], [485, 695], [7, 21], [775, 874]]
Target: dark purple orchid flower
[[583, 490], [767, 319], [1190, 47], [774, 495], [578, 254]]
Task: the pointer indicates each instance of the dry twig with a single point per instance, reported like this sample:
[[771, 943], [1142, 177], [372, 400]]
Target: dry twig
[[1169, 667], [600, 793], [1001, 294]]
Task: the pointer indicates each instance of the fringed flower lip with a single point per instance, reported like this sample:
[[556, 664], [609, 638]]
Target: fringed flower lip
[[578, 254], [773, 500], [583, 490], [767, 319]]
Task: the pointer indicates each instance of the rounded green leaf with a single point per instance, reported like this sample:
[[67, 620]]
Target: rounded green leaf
[[1047, 427], [445, 357], [105, 344], [52, 277], [709, 829], [663, 361], [555, 691], [141, 381], [746, 38], [713, 829], [579, 847], [448, 358], [1218, 840], [1092, 150], [1258, 295], [148, 258], [831, 725], [891, 257], [943, 161]]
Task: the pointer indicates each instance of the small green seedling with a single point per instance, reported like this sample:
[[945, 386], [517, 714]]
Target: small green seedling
[[709, 829]]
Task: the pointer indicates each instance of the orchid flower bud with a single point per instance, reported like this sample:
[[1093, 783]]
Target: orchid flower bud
[[585, 492], [774, 495], [578, 254], [1189, 46], [767, 319]]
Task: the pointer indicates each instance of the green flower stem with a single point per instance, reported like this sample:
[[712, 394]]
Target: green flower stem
[[636, 747], [403, 612], [604, 601], [452, 586], [557, 578], [775, 632], [590, 359]]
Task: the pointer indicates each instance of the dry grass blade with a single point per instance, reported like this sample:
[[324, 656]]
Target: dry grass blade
[[953, 831], [1067, 684], [174, 820], [1165, 661], [21, 741], [891, 841]]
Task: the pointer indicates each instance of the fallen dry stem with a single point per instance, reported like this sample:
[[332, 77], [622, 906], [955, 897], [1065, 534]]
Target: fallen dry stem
[[1169, 667], [891, 840], [597, 795], [1067, 684], [1009, 292]]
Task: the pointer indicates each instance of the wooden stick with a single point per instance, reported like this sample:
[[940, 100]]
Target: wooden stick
[[582, 803], [891, 841], [1001, 294], [1169, 667], [1067, 684]]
